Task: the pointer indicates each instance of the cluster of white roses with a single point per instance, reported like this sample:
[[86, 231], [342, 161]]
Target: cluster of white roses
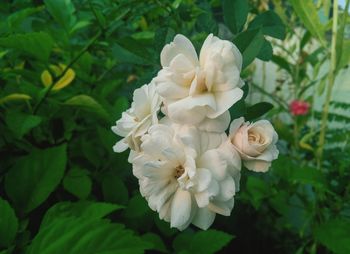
[[187, 166]]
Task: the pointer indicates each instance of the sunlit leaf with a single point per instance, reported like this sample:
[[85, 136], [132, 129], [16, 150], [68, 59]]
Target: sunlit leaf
[[15, 97], [87, 103], [46, 78], [67, 78], [307, 12]]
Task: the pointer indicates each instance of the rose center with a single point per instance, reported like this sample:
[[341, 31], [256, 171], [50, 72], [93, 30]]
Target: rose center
[[179, 170], [255, 138]]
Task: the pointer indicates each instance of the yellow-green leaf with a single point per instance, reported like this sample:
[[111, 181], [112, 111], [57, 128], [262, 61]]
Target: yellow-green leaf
[[67, 78], [46, 78], [87, 103], [14, 97]]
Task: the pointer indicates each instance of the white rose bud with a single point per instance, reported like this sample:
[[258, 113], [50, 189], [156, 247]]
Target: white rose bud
[[256, 143]]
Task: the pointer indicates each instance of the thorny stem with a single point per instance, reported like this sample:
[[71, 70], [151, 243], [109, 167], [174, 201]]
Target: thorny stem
[[331, 77]]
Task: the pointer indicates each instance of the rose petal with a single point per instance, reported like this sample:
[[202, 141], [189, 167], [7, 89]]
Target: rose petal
[[204, 218], [120, 146], [223, 208], [180, 209], [190, 110], [257, 165], [218, 124], [224, 100], [215, 162], [180, 45]]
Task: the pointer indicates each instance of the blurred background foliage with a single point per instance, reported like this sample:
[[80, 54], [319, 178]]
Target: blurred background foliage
[[68, 69]]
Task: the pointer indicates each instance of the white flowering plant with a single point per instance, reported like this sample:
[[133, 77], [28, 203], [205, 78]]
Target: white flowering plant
[[188, 166], [195, 169]]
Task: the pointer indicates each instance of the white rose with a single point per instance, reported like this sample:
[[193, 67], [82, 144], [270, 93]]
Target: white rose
[[136, 120], [256, 143], [181, 178], [194, 89]]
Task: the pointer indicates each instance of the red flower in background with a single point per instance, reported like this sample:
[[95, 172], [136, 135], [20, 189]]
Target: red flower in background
[[298, 108]]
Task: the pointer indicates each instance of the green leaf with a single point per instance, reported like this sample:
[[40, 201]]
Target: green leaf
[[245, 89], [8, 224], [137, 207], [35, 176], [78, 182], [249, 44], [14, 97], [334, 234], [340, 36], [182, 241], [163, 36], [87, 103], [306, 38], [308, 175], [156, 241], [257, 190], [38, 44], [86, 209], [282, 63], [206, 23], [86, 235], [63, 12], [345, 56], [307, 12], [114, 190], [238, 109], [15, 19], [210, 241], [125, 56], [270, 24], [20, 124], [266, 51], [257, 110], [235, 14]]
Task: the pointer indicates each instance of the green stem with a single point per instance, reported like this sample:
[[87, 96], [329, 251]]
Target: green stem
[[331, 78], [48, 90], [263, 79]]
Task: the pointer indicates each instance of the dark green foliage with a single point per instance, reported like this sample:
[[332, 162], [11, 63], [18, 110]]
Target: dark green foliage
[[8, 224], [249, 43], [35, 176], [235, 14], [270, 24], [257, 110], [63, 189]]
